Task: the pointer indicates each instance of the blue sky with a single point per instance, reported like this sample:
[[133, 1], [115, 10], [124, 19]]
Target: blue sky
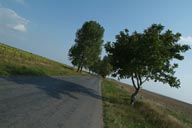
[[48, 27]]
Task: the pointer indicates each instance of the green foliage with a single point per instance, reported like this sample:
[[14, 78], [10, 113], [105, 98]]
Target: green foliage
[[146, 56], [17, 62], [102, 67], [87, 48]]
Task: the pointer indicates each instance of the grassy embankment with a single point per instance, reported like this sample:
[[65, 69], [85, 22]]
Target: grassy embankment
[[18, 62], [145, 114]]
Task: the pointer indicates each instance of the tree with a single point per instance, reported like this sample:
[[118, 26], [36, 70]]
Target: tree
[[146, 56], [87, 48], [102, 67]]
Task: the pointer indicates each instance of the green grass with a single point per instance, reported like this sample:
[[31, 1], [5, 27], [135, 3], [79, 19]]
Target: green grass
[[118, 113], [18, 62], [117, 110]]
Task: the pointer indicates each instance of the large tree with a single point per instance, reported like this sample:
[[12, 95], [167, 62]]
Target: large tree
[[146, 56], [102, 67], [88, 43]]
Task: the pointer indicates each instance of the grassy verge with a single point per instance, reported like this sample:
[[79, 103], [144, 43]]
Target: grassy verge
[[18, 62], [117, 111], [145, 114]]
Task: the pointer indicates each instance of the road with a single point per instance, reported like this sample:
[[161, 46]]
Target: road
[[50, 102]]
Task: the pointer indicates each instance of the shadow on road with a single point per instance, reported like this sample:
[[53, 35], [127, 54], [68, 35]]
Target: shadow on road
[[53, 86]]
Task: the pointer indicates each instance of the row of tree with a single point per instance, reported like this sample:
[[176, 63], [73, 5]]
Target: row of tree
[[86, 52], [140, 56]]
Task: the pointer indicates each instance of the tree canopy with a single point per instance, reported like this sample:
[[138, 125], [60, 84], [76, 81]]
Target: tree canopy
[[88, 45], [146, 56], [102, 67]]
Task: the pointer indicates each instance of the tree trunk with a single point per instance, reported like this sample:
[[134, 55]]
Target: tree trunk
[[136, 85], [78, 67], [81, 63], [133, 96], [81, 68]]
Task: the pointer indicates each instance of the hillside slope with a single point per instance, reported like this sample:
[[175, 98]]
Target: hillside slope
[[14, 61], [150, 111]]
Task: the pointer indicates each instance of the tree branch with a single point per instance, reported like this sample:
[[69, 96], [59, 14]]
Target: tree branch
[[140, 80], [132, 78], [137, 80], [146, 79]]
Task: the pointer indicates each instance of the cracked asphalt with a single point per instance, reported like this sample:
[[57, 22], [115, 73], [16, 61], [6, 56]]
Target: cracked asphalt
[[50, 102]]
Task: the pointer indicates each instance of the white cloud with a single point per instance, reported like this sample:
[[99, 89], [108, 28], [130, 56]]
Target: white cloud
[[20, 27], [9, 19], [186, 40]]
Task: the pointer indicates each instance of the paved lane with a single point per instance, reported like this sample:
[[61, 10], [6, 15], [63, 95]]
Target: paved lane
[[50, 102]]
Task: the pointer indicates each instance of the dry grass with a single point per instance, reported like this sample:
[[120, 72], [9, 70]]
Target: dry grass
[[18, 62], [156, 110], [157, 116]]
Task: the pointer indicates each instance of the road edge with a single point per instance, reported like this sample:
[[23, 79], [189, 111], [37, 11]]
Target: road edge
[[101, 103]]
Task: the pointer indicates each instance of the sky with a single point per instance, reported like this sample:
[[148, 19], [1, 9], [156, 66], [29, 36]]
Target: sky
[[48, 27]]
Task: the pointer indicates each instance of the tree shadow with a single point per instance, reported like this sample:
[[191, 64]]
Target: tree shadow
[[54, 86]]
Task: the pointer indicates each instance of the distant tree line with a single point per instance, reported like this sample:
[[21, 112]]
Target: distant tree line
[[140, 56]]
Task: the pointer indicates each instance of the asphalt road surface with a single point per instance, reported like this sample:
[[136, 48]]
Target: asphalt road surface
[[50, 102]]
